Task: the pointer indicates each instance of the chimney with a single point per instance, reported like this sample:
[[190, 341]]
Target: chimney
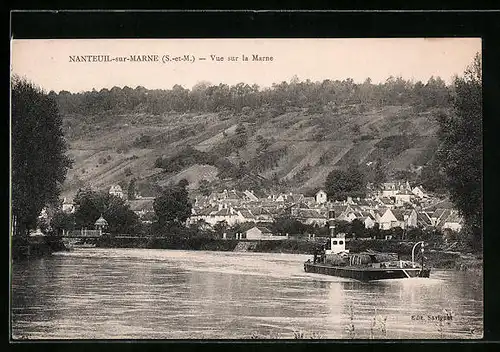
[[331, 222]]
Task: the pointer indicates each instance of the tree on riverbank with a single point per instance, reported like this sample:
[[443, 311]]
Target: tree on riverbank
[[172, 206], [461, 151], [90, 205], [39, 163], [341, 184]]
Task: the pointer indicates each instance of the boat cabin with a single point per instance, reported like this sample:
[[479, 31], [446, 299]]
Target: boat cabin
[[337, 245]]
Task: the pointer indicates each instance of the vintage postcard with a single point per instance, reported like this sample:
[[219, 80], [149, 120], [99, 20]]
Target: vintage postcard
[[246, 189]]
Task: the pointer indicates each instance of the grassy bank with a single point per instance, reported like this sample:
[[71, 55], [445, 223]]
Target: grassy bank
[[35, 247], [435, 258], [208, 244]]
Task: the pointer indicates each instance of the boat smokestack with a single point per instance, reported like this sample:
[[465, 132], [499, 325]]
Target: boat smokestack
[[331, 222]]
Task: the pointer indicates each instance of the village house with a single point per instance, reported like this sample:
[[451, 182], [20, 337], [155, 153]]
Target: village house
[[419, 192], [224, 213], [424, 220], [244, 215], [439, 215], [250, 196], [321, 197], [343, 212], [386, 202], [117, 191], [143, 208], [390, 189], [366, 204], [68, 206], [447, 219], [367, 219], [311, 217], [410, 218], [288, 197], [261, 214], [258, 233], [391, 219], [311, 201], [454, 222], [262, 233], [403, 197]]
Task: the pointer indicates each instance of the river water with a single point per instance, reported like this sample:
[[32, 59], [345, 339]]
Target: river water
[[166, 294]]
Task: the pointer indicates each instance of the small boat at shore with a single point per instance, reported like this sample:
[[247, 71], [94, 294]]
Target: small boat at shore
[[335, 260]]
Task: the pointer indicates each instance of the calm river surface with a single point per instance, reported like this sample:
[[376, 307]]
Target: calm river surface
[[167, 294]]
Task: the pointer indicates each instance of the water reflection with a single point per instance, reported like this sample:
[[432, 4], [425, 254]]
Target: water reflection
[[158, 294]]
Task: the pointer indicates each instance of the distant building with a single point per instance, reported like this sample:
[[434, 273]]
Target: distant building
[[391, 219], [402, 197], [143, 208], [367, 219], [419, 192], [262, 233], [321, 197], [116, 190], [454, 222], [101, 223], [250, 195], [68, 206], [311, 217]]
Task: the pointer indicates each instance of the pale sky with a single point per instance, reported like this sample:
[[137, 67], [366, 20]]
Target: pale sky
[[47, 62]]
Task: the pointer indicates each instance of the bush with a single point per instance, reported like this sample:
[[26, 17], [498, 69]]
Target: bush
[[143, 141]]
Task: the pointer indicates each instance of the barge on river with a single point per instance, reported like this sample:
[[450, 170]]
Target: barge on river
[[335, 260]]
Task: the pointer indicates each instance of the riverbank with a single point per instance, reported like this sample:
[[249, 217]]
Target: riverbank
[[35, 247], [435, 258]]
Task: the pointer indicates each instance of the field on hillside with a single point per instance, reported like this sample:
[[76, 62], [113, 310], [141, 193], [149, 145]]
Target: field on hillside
[[110, 150]]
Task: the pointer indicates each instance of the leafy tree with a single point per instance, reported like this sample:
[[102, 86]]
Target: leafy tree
[[240, 130], [432, 177], [461, 150], [62, 221], [183, 183], [131, 189], [380, 176], [204, 187], [221, 227], [39, 163], [341, 184], [358, 228], [90, 205], [286, 224], [172, 207]]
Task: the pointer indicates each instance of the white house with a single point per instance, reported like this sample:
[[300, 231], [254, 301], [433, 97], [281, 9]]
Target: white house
[[410, 217], [452, 222], [418, 191], [402, 197], [386, 202], [250, 196], [68, 206], [116, 190], [321, 197], [367, 219], [310, 217], [261, 233], [390, 220]]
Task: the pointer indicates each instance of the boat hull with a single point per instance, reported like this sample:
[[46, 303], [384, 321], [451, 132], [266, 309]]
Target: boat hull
[[366, 274]]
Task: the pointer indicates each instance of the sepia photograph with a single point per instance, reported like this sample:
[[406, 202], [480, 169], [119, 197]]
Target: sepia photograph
[[246, 189]]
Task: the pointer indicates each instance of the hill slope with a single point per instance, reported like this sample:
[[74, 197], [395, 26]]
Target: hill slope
[[296, 147]]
